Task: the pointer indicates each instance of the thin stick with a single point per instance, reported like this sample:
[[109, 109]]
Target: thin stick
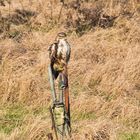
[[9, 16], [53, 123], [60, 12], [51, 9]]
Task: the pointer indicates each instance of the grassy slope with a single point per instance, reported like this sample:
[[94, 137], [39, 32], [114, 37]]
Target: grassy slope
[[104, 80]]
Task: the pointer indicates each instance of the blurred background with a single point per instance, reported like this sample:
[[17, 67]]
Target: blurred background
[[104, 70]]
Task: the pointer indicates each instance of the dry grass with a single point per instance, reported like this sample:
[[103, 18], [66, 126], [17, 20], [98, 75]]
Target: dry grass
[[104, 73]]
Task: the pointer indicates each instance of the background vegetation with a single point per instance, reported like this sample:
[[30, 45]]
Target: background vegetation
[[104, 71]]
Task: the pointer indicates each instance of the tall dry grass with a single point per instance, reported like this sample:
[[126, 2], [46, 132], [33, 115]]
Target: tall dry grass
[[104, 71]]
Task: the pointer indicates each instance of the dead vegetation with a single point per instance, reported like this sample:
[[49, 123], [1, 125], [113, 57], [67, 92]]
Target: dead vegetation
[[104, 70]]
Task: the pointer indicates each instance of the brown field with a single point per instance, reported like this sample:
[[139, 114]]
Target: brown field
[[104, 70]]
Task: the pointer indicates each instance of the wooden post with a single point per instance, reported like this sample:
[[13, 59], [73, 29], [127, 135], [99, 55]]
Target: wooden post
[[52, 84]]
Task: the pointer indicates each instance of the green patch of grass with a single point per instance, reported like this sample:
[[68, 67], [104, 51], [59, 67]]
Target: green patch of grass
[[129, 136], [80, 116], [16, 112], [12, 118]]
